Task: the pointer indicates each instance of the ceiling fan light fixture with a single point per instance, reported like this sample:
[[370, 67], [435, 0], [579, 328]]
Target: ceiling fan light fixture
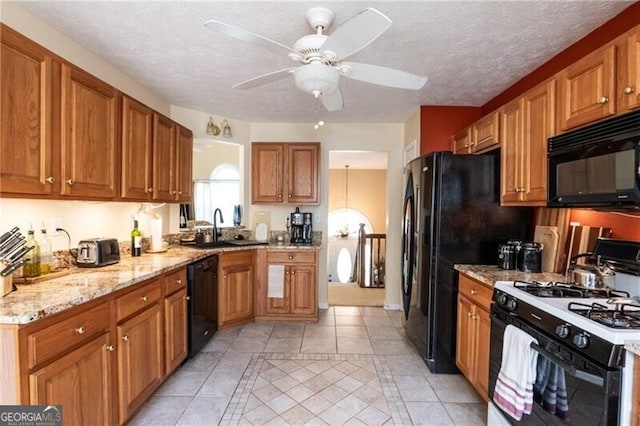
[[317, 78]]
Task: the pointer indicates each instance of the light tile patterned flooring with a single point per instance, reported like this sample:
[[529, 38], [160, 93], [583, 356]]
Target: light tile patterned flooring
[[354, 366]]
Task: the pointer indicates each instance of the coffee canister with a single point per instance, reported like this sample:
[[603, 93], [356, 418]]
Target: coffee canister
[[507, 256], [530, 257]]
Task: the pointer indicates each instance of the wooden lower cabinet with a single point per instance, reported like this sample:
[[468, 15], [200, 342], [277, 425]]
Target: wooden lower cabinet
[[299, 299], [473, 333], [175, 330], [80, 381], [140, 359], [235, 288], [100, 360]]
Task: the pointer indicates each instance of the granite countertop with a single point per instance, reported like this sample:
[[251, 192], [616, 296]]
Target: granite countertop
[[490, 274], [32, 302]]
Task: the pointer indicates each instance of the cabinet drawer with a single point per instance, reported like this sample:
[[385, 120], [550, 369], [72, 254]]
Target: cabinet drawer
[[477, 292], [291, 256], [244, 257], [138, 299], [45, 344], [175, 281]]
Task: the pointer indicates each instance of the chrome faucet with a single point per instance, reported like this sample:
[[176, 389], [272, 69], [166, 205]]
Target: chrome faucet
[[216, 234]]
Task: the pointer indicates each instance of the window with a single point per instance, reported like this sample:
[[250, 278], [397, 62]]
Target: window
[[221, 191]]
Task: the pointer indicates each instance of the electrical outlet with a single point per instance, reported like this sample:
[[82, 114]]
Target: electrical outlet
[[56, 223]]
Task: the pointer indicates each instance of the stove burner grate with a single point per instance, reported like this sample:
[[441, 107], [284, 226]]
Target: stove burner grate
[[622, 316], [563, 290]]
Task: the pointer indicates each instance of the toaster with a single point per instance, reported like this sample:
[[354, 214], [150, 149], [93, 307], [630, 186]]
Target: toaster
[[96, 252]]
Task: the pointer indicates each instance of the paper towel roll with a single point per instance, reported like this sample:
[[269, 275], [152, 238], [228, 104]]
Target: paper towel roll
[[156, 234]]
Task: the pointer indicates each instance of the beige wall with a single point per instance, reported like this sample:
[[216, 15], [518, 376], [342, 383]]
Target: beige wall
[[213, 154], [367, 194]]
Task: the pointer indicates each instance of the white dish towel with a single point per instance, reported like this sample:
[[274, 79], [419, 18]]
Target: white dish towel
[[514, 387]]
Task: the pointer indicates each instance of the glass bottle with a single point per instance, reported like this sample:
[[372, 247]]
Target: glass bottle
[[31, 267], [46, 255], [136, 240]]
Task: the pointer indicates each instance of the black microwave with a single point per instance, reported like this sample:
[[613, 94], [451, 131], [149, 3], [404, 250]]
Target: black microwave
[[596, 166]]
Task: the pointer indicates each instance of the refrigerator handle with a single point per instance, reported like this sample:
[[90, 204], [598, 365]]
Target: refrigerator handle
[[417, 209]]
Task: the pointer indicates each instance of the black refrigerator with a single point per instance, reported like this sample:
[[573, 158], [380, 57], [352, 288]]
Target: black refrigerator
[[451, 214]]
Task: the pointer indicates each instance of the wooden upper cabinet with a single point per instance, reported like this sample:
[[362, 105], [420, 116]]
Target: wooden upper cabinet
[[526, 124], [27, 163], [586, 89], [137, 124], [164, 157], [284, 173], [302, 179], [90, 141], [629, 87], [461, 141], [485, 133], [184, 161]]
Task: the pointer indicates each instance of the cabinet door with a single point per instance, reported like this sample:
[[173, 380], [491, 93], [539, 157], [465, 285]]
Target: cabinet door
[[26, 157], [539, 125], [461, 142], [140, 359], [137, 122], [485, 133], [90, 140], [236, 302], [630, 90], [79, 381], [302, 177], [267, 171], [511, 152], [302, 280], [164, 158], [464, 338], [184, 160], [586, 89], [175, 330], [482, 322]]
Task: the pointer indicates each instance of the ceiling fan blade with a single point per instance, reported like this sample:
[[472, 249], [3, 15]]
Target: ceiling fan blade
[[383, 76], [332, 101], [244, 35], [264, 79], [356, 33]]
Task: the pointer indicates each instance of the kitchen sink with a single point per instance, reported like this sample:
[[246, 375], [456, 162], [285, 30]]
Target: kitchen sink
[[226, 243]]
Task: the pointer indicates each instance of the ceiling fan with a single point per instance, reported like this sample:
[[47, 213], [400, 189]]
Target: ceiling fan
[[321, 56]]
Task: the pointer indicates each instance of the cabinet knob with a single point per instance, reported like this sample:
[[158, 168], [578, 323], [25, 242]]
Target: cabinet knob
[[290, 257], [475, 317], [149, 190], [187, 298], [125, 338], [473, 292], [289, 195], [470, 315], [179, 192], [603, 100], [174, 192], [293, 272], [80, 330], [178, 281], [70, 181], [628, 90], [144, 298], [50, 179], [279, 195], [226, 276], [111, 348]]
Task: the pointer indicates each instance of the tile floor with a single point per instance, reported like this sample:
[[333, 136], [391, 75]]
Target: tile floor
[[354, 367]]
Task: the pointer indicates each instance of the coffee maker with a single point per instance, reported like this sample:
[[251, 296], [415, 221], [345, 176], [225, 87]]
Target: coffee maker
[[301, 228]]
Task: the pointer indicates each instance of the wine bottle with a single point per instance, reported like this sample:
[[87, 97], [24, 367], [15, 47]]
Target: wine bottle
[[136, 240]]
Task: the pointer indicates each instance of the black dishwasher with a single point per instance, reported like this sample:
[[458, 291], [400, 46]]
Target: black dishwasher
[[202, 292]]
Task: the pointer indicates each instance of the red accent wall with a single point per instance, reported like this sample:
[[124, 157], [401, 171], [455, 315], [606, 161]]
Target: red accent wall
[[438, 123], [623, 226]]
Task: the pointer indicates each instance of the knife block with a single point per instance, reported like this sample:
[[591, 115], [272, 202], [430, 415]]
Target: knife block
[[6, 285]]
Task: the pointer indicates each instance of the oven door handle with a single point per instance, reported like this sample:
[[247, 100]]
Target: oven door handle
[[580, 374]]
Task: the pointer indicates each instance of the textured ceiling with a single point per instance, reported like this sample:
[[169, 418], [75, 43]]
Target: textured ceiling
[[471, 51]]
